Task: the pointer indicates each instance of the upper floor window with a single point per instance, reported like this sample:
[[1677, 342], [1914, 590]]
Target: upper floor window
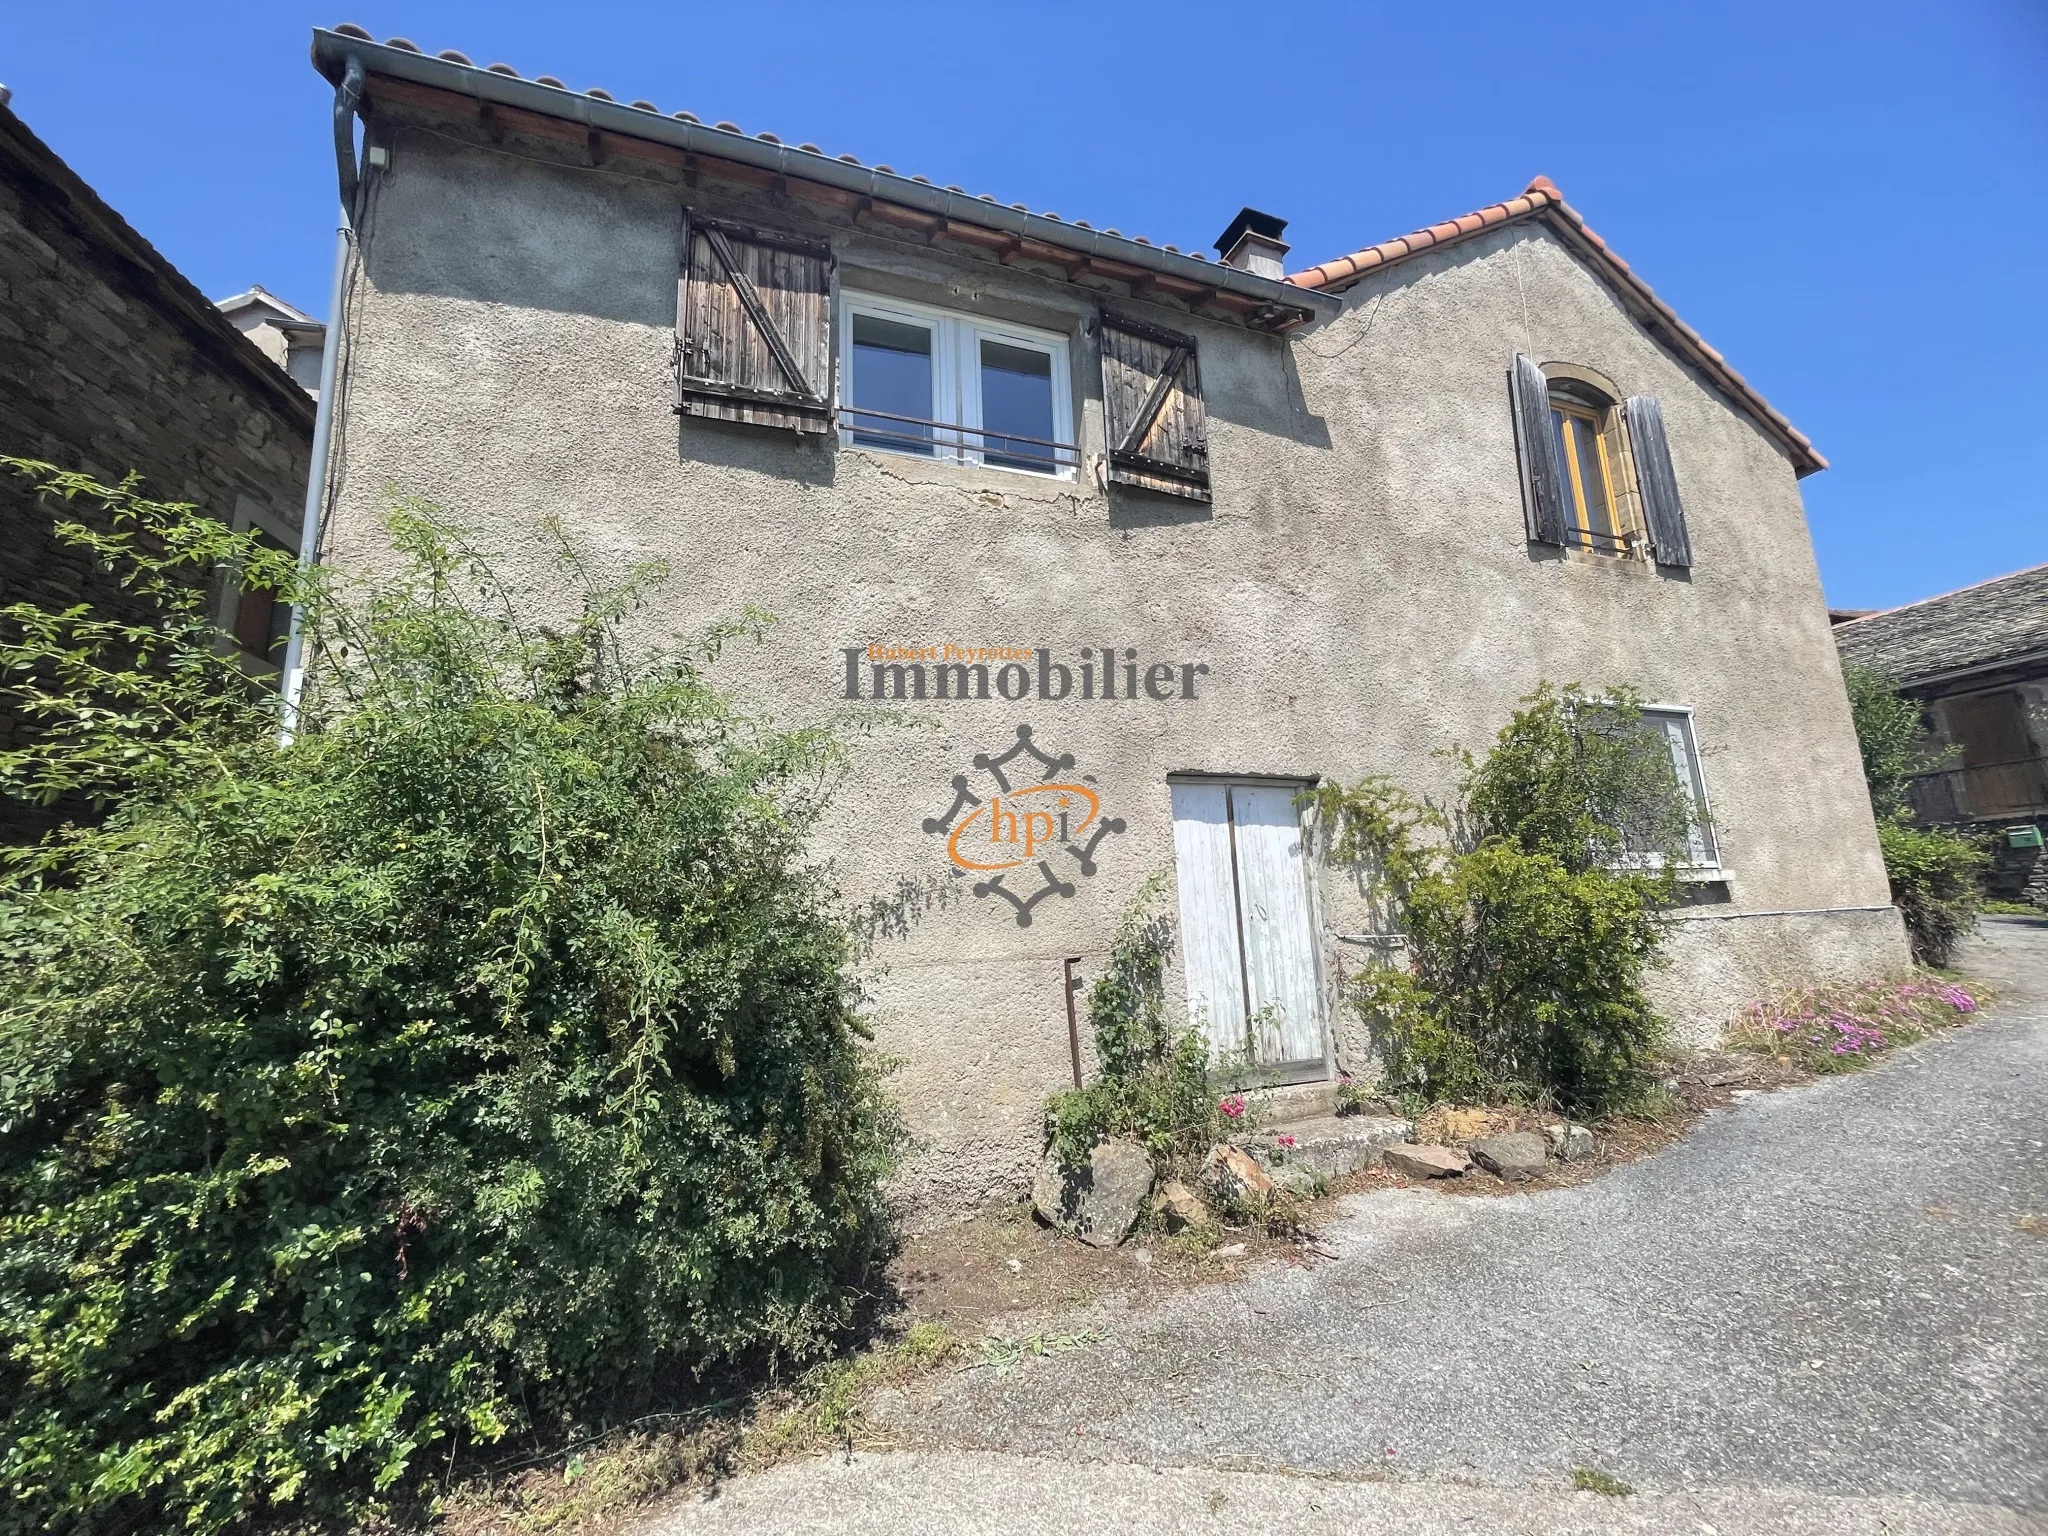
[[956, 387], [1599, 499], [1596, 468]]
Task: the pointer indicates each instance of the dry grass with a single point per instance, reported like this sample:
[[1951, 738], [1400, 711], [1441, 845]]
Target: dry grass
[[1825, 1030]]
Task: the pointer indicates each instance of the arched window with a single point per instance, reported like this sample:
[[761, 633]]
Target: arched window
[[1592, 461]]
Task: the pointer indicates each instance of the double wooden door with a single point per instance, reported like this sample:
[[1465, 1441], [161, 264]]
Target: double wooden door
[[1248, 932]]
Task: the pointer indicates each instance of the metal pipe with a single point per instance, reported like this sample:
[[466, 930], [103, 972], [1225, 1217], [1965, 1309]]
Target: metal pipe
[[347, 97], [1073, 1024], [316, 482]]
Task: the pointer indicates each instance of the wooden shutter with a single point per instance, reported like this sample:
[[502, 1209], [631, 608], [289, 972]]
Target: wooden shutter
[[1543, 498], [754, 327], [1670, 544], [1152, 409]]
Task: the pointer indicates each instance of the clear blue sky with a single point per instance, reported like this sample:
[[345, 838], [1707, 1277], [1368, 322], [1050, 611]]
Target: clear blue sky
[[1850, 201]]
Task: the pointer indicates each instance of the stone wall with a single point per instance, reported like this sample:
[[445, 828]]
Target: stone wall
[[110, 361]]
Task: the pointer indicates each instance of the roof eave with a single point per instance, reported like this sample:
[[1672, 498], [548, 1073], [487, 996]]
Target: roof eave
[[331, 51], [1543, 201]]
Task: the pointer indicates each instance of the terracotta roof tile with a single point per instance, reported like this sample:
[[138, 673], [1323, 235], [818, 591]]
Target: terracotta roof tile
[[1541, 197]]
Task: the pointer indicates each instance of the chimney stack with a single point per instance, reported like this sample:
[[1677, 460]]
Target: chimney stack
[[1253, 244]]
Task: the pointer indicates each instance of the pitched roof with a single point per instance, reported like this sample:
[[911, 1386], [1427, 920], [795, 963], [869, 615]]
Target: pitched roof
[[258, 295], [1994, 623], [545, 105], [142, 268], [1541, 199]]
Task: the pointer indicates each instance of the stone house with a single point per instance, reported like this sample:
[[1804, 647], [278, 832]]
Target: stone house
[[1152, 541], [1977, 660], [111, 362], [284, 333]]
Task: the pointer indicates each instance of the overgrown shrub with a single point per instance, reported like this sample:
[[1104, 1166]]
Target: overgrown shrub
[[481, 1061], [1152, 1082], [1936, 873], [1529, 906], [1891, 738], [1937, 885]]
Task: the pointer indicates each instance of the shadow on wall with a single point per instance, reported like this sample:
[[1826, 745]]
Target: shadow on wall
[[554, 235], [1133, 507], [808, 457], [892, 914], [1266, 395]]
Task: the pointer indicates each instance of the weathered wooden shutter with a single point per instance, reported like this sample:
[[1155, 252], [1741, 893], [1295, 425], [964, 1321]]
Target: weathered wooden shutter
[[1543, 499], [754, 327], [1152, 409], [1670, 544]]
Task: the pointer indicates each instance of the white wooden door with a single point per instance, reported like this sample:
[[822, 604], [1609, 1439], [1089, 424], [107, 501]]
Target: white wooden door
[[1208, 915], [1247, 930], [1278, 927]]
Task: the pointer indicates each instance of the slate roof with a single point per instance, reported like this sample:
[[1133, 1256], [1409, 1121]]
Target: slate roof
[[44, 176], [1542, 199], [1995, 623]]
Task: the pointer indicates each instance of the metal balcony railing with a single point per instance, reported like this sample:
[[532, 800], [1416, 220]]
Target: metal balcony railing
[[1982, 793], [917, 434]]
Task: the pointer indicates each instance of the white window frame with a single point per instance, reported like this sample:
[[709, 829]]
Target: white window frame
[[956, 378], [1695, 784]]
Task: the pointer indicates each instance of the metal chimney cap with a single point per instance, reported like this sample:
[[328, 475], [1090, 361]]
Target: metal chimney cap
[[1252, 221]]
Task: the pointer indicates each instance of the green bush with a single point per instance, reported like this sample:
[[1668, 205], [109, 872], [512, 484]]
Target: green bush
[[1937, 885], [1152, 1082], [1936, 874], [1891, 738], [482, 1061], [1529, 905]]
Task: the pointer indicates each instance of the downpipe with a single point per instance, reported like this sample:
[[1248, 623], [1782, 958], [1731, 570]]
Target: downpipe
[[346, 97]]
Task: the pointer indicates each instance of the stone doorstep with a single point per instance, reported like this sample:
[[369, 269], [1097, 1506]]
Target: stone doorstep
[[1274, 1108], [1329, 1144]]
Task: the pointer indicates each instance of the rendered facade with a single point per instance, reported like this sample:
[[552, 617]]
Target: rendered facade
[[1148, 544]]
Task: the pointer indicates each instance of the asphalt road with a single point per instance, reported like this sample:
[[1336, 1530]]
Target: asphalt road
[[1825, 1310]]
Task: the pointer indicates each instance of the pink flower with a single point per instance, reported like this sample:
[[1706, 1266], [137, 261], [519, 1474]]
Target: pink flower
[[1285, 1141], [1233, 1105]]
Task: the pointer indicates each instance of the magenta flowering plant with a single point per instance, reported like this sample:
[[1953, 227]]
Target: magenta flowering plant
[[1232, 1105], [1285, 1140], [1831, 1029]]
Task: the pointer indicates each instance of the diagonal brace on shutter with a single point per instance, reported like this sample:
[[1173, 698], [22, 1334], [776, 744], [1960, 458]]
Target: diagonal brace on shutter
[[1141, 428], [751, 302]]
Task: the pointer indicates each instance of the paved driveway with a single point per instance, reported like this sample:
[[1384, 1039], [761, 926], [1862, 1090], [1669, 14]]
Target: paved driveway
[[1821, 1311]]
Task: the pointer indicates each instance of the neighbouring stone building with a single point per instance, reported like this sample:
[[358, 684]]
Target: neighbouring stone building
[[1154, 541], [111, 362], [1977, 660], [284, 333]]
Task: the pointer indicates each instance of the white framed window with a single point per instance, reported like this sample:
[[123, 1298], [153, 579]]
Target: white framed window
[[940, 385], [1673, 723]]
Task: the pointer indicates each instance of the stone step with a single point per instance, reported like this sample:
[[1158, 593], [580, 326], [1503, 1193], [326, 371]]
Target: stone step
[[1292, 1101], [1329, 1144]]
